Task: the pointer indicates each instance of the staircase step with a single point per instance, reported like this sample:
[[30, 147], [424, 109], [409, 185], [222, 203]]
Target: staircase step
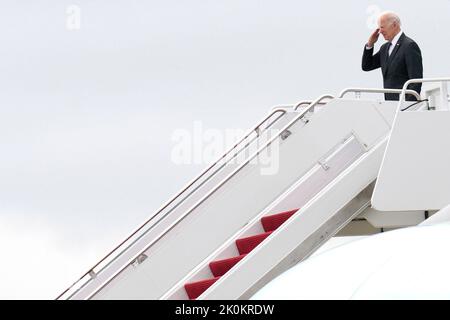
[[195, 289], [245, 245], [220, 267], [272, 222]]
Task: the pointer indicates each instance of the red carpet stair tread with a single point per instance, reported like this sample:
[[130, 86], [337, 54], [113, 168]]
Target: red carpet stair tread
[[271, 223], [195, 289], [244, 245], [220, 267]]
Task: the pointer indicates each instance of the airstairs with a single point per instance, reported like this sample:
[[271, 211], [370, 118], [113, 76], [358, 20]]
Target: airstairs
[[297, 178]]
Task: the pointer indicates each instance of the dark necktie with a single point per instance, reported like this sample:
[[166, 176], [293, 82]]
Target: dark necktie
[[389, 48]]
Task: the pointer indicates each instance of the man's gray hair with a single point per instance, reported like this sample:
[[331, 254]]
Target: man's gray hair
[[391, 17]]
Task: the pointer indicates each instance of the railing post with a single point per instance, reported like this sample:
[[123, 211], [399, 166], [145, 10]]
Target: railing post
[[444, 96]]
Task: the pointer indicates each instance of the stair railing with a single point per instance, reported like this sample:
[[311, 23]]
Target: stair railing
[[358, 91], [256, 129], [308, 102], [407, 83], [213, 190]]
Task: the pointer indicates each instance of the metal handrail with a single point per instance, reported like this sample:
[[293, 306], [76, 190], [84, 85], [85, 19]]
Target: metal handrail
[[407, 83], [286, 106], [296, 106], [204, 198], [299, 104], [377, 90], [256, 129], [325, 96]]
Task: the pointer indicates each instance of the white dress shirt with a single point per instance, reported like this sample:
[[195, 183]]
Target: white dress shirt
[[394, 41]]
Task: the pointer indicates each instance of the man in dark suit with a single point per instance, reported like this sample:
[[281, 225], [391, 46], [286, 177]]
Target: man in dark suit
[[400, 58]]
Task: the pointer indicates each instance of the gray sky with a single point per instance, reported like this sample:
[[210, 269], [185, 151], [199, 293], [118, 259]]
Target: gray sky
[[87, 115]]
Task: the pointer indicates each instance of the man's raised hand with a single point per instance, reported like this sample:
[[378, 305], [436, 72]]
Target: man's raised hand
[[373, 38]]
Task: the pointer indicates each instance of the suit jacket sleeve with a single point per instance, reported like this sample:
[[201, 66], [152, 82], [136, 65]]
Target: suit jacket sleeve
[[414, 65], [370, 61]]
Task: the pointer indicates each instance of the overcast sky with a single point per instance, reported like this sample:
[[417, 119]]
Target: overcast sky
[[89, 106]]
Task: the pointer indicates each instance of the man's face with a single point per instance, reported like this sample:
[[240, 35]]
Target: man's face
[[388, 28]]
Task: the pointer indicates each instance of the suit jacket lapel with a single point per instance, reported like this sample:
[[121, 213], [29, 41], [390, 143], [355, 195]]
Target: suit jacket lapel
[[391, 57], [394, 52]]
